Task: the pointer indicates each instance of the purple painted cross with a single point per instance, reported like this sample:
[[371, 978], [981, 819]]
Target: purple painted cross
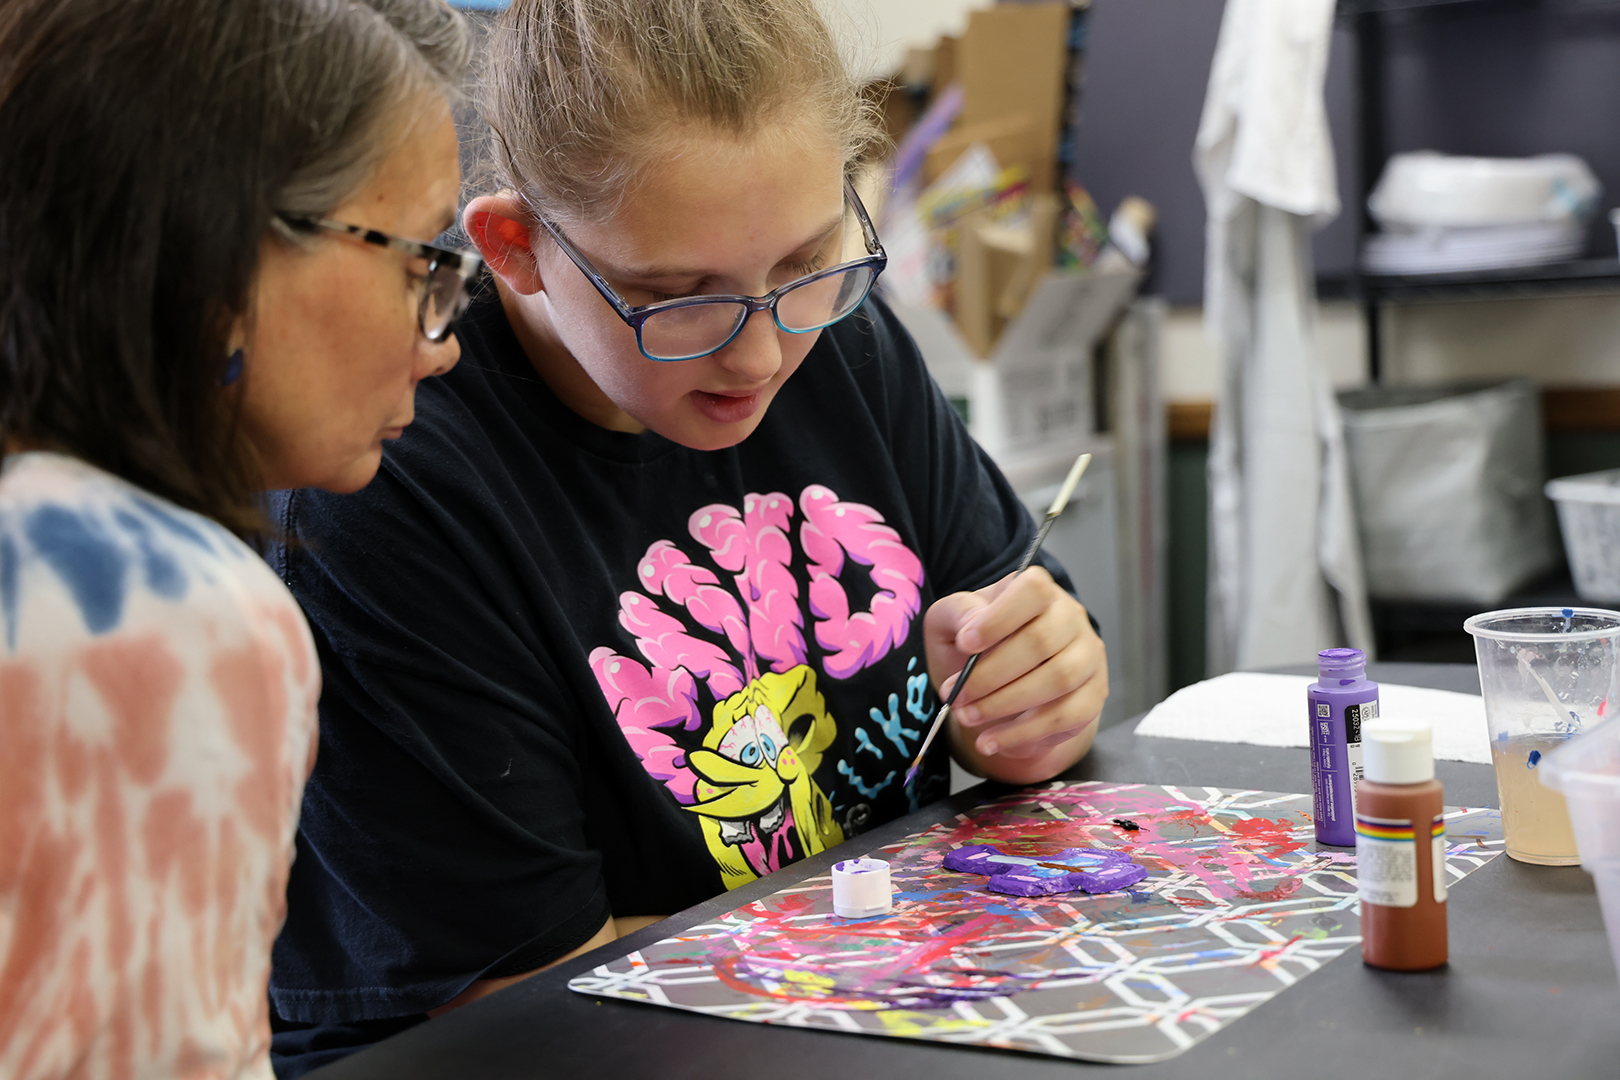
[[1093, 869]]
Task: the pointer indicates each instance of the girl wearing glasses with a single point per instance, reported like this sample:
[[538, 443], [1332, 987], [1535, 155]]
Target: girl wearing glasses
[[661, 592], [202, 295]]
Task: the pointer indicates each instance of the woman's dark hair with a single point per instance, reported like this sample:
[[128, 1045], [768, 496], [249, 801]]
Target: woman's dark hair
[[145, 149]]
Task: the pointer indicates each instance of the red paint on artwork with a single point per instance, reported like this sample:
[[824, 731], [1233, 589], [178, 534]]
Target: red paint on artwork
[[1282, 891], [1270, 837]]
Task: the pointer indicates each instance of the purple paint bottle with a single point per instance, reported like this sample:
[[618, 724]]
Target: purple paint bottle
[[1341, 700]]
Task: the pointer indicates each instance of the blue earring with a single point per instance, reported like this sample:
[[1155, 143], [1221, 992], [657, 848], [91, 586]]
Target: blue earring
[[233, 368]]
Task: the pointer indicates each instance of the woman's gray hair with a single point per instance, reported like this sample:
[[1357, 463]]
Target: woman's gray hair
[[369, 81], [147, 148]]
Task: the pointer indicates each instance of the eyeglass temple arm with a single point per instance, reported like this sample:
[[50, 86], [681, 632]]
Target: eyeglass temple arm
[[873, 245], [613, 299]]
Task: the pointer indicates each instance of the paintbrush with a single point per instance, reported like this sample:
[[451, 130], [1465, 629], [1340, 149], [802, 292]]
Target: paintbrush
[[1058, 504]]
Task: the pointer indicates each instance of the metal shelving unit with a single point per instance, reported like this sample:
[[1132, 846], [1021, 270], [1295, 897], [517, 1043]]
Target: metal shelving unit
[[1430, 629], [1578, 275], [1368, 18], [1371, 7]]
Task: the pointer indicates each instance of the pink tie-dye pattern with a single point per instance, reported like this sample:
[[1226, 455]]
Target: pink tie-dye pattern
[[831, 529], [149, 792], [756, 546]]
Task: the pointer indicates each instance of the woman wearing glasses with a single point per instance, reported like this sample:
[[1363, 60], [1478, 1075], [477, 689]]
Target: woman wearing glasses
[[193, 307], [661, 591]]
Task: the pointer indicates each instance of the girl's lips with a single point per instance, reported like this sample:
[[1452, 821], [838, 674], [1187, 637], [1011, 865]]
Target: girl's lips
[[725, 408]]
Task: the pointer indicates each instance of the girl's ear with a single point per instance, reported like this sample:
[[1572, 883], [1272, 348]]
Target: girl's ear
[[496, 225]]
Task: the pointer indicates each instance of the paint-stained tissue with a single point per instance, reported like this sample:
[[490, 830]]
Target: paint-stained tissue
[[1236, 904]]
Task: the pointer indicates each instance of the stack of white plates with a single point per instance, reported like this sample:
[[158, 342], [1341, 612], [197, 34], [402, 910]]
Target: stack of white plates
[[1455, 250], [1444, 214]]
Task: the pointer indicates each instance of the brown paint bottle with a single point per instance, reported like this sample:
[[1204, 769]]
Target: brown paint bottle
[[1400, 848]]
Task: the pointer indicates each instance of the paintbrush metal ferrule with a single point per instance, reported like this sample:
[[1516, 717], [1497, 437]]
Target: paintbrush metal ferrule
[[1076, 471]]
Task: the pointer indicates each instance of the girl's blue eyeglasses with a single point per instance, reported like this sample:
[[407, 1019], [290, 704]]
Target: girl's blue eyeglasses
[[692, 326]]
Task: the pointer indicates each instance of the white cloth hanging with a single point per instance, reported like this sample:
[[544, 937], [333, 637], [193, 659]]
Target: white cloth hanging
[[1285, 565]]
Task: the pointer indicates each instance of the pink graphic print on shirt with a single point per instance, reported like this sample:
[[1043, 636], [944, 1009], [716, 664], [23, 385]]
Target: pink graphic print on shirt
[[752, 782]]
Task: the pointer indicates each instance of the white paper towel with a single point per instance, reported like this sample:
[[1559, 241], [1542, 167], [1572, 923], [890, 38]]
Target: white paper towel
[[1269, 710]]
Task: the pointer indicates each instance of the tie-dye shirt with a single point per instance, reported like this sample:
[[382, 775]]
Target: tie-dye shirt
[[157, 723]]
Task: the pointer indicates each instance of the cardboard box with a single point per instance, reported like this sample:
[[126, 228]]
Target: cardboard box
[[997, 268], [1036, 386], [988, 260], [1012, 60], [1013, 139]]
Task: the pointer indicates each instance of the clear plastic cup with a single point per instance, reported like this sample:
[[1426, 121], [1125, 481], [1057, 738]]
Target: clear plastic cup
[[1587, 771], [1547, 674]]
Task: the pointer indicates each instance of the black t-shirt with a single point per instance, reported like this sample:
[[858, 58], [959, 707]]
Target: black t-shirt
[[572, 672]]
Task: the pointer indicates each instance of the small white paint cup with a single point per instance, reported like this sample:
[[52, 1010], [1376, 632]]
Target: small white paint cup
[[861, 888]]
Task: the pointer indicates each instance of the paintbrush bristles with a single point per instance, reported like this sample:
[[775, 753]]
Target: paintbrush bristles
[[939, 721]]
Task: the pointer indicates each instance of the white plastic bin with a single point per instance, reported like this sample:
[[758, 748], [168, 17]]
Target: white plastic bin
[[1589, 513], [1587, 771], [1447, 483]]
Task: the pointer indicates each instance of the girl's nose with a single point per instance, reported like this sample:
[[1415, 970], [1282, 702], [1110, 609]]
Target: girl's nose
[[755, 353]]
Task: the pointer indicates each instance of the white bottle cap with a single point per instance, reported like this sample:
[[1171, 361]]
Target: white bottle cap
[[861, 888], [1397, 751]]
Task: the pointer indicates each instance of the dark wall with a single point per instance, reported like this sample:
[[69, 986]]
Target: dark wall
[[1500, 78], [1147, 67], [1188, 563]]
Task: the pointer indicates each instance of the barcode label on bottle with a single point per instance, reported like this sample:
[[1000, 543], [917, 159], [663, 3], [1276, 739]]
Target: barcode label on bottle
[[1354, 717], [1386, 861]]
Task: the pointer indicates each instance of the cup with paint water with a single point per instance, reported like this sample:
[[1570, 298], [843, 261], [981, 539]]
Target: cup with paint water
[[1547, 675]]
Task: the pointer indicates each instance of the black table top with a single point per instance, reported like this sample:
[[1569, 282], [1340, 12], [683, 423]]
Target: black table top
[[1530, 991]]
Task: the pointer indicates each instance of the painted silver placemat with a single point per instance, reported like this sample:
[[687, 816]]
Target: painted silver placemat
[[1240, 904]]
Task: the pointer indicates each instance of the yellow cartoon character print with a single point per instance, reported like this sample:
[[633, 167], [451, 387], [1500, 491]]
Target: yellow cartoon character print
[[757, 799]]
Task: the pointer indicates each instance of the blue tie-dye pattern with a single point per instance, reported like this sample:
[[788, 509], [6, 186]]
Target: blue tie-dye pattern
[[162, 570], [87, 560], [183, 529], [10, 591]]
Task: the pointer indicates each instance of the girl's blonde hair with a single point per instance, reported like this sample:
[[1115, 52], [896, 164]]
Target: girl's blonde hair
[[582, 95]]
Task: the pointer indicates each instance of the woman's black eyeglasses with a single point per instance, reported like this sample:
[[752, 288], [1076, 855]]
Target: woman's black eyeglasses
[[689, 327], [444, 289]]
